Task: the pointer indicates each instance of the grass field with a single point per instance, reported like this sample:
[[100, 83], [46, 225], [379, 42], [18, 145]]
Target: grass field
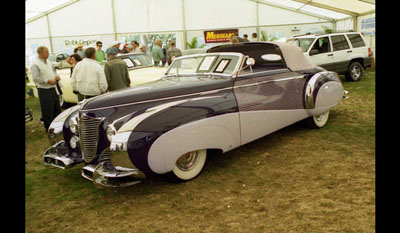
[[294, 180]]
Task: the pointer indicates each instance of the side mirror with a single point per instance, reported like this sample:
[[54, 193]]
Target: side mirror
[[250, 61], [314, 52]]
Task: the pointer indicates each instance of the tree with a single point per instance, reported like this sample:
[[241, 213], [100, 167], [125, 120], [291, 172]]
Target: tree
[[193, 44]]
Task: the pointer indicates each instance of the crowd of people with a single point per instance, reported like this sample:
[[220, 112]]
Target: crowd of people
[[89, 78]]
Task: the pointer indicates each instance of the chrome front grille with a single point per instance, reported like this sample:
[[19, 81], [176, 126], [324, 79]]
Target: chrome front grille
[[89, 136]]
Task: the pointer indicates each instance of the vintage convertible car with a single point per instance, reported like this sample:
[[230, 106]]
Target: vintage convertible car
[[139, 66], [219, 100]]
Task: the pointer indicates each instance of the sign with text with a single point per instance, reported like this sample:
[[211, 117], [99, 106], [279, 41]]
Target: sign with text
[[217, 36]]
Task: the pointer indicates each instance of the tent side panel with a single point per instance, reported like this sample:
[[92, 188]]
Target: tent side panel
[[36, 29], [131, 16], [89, 17], [211, 14]]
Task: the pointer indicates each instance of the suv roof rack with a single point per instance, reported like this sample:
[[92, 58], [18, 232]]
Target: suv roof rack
[[325, 33]]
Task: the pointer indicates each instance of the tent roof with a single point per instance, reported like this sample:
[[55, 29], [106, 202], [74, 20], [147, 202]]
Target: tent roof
[[334, 9]]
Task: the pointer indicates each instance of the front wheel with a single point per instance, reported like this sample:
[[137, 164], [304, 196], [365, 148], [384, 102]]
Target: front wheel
[[189, 165], [316, 122]]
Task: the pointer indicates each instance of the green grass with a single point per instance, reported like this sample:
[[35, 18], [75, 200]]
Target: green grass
[[294, 180]]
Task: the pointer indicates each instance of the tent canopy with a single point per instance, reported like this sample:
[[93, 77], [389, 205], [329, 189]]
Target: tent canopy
[[335, 9], [60, 24]]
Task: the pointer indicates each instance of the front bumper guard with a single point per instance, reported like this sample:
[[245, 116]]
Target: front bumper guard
[[105, 174], [58, 156]]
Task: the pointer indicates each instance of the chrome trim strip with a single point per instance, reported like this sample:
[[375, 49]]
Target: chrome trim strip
[[269, 81], [268, 72], [192, 94]]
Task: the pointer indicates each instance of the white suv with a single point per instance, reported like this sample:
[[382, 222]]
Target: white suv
[[345, 53]]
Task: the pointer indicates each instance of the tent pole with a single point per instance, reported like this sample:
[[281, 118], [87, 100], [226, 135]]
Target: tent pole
[[49, 31], [113, 18], [355, 22], [257, 21], [184, 25]]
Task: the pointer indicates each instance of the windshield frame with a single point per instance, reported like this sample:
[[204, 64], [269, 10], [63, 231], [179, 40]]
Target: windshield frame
[[233, 74], [136, 66]]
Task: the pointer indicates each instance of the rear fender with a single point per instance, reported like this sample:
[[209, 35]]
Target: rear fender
[[323, 91]]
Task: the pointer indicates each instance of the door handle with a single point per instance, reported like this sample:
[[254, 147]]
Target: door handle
[[330, 55], [349, 51]]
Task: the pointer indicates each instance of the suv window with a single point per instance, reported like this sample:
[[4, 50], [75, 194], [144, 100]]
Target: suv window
[[303, 43], [322, 45], [339, 43], [356, 40]]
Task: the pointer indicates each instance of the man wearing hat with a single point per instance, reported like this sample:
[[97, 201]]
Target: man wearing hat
[[81, 51], [116, 71], [116, 44]]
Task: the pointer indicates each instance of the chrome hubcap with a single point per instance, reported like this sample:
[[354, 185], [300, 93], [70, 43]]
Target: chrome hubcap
[[356, 71], [187, 161], [320, 117]]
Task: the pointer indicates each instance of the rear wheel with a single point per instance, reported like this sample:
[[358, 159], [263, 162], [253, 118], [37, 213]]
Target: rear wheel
[[316, 122], [189, 165], [355, 72]]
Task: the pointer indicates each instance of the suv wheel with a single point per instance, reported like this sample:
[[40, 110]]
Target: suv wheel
[[355, 72]]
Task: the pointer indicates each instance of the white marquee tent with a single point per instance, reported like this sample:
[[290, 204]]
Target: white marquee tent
[[60, 24]]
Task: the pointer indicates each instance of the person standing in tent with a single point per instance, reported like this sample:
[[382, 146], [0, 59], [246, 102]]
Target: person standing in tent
[[100, 55], [173, 52], [88, 78], [81, 51], [45, 78], [254, 37], [157, 52], [116, 71]]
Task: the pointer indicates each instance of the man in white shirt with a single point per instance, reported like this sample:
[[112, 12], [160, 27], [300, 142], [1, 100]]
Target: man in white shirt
[[88, 78], [135, 46], [46, 79]]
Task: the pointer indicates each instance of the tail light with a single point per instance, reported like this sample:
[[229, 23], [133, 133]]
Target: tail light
[[369, 52]]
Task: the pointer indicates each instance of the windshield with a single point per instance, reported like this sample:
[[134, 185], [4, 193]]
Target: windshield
[[209, 63], [136, 60], [303, 43]]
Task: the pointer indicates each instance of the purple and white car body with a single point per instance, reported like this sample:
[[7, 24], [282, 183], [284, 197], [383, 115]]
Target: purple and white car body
[[219, 100]]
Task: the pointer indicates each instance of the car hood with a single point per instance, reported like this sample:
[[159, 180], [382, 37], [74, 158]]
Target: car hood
[[147, 74], [159, 90]]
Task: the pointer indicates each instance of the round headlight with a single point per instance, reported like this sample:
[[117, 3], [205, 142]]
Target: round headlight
[[74, 142], [73, 125], [110, 132]]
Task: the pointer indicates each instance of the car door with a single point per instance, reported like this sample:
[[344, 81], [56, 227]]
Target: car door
[[321, 54], [268, 101], [341, 53]]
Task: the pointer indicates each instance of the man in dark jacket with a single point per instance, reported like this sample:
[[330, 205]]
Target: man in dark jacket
[[116, 71]]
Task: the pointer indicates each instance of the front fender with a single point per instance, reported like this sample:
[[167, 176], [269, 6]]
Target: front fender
[[139, 134], [58, 122], [219, 132]]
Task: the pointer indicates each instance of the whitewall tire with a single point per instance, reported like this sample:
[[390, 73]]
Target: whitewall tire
[[318, 121], [189, 165]]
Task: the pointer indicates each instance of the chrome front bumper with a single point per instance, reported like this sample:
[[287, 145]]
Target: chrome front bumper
[[105, 174], [58, 156]]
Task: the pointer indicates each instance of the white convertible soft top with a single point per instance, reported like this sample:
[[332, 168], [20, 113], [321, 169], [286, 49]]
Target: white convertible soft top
[[294, 57]]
